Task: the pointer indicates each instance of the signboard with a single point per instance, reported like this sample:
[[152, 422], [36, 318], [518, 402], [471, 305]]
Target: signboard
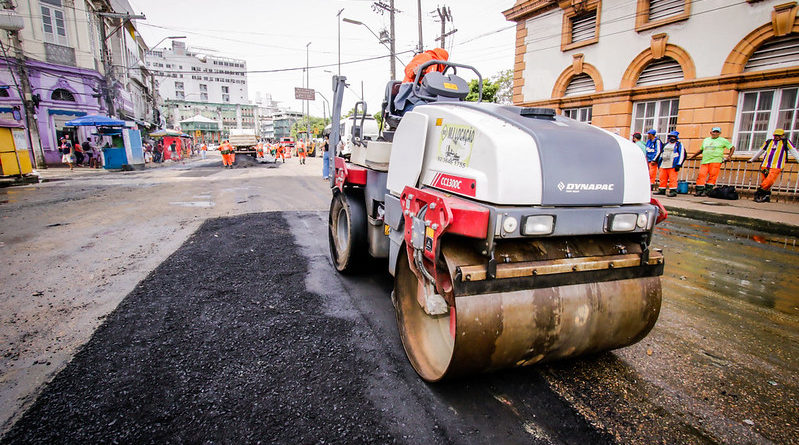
[[304, 93]]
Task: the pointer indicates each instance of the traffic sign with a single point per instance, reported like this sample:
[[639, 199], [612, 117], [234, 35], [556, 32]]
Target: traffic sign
[[304, 93]]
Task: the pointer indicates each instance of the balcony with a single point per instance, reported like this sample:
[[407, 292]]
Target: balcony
[[59, 55]]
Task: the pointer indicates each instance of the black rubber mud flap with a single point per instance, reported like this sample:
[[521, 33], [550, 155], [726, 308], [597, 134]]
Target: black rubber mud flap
[[347, 230]]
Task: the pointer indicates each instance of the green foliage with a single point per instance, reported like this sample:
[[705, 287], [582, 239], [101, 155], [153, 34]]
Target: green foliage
[[317, 125], [498, 88], [378, 118]]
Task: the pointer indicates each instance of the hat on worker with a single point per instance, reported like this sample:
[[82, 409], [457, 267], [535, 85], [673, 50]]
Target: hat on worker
[[652, 131], [715, 129], [676, 134], [779, 132]]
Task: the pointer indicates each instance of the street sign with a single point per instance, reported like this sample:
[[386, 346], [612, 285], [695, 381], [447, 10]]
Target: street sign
[[304, 94]]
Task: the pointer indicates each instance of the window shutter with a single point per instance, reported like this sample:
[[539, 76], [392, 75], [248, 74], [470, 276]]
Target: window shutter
[[660, 71], [580, 84], [584, 27], [777, 53], [661, 9]]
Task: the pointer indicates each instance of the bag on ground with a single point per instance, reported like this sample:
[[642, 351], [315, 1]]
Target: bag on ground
[[723, 192]]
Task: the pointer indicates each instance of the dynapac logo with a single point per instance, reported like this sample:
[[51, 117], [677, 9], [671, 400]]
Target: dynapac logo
[[578, 187]]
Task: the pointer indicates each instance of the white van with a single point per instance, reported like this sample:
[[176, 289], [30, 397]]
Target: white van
[[370, 131]]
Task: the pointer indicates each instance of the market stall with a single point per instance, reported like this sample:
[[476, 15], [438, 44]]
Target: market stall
[[124, 150]]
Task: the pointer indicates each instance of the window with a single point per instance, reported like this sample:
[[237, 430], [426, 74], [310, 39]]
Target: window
[[654, 13], [580, 25], [3, 92], [582, 114], [580, 84], [62, 95], [660, 71], [225, 89], [203, 87], [180, 95], [782, 52], [660, 115], [761, 112], [204, 96], [55, 30], [179, 85]]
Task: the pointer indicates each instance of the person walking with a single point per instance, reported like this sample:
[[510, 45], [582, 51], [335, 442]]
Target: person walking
[[326, 158], [776, 152], [301, 152], [281, 153], [636, 138], [654, 148], [67, 157], [203, 150], [671, 160], [713, 156]]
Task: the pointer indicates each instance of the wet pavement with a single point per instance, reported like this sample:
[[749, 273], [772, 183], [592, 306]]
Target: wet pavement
[[258, 338]]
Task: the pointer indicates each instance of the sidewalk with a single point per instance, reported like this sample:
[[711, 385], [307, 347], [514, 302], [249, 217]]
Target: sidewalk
[[773, 217]]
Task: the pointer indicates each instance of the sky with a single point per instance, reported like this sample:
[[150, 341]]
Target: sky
[[272, 35]]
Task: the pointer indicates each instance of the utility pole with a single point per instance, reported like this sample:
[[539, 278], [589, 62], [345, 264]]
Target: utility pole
[[381, 7], [444, 15], [107, 62], [421, 42], [338, 19], [393, 40], [26, 95]]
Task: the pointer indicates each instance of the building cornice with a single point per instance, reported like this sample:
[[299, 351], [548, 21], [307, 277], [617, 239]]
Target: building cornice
[[524, 9]]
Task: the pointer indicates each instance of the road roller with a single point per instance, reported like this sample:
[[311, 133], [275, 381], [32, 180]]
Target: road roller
[[515, 235]]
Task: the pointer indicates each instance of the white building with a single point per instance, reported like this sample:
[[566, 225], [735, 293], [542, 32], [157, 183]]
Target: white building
[[186, 74]]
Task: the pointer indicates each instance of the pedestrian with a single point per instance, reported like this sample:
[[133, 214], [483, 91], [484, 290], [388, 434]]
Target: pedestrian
[[326, 158], [67, 157], [203, 150], [671, 161], [713, 156], [87, 151], [98, 161], [637, 140], [301, 152], [654, 148], [259, 150], [776, 155]]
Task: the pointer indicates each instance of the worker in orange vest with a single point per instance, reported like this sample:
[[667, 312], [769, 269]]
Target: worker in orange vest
[[421, 58], [227, 157], [203, 150], [301, 151], [280, 153], [259, 150]]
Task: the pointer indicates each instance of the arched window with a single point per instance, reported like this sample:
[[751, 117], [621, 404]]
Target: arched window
[[3, 92], [776, 53], [62, 95], [660, 71], [580, 84]]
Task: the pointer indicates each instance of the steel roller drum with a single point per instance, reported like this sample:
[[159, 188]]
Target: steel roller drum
[[492, 331]]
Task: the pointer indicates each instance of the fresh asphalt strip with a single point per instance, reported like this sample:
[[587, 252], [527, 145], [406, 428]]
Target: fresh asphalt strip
[[221, 343]]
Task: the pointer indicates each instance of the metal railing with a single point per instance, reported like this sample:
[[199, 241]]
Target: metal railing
[[746, 178]]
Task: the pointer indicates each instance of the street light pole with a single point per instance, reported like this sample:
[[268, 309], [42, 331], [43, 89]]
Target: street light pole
[[339, 39], [390, 48], [307, 104], [393, 40], [421, 45]]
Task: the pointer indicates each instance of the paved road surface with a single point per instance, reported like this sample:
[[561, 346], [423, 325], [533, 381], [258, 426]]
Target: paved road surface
[[250, 335]]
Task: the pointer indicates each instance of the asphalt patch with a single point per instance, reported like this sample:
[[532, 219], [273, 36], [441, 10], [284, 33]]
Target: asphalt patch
[[221, 343]]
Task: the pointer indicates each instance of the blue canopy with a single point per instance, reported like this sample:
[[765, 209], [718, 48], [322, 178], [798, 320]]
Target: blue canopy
[[95, 120]]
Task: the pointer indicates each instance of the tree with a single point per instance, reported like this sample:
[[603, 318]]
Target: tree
[[317, 125], [498, 88], [489, 90], [505, 81]]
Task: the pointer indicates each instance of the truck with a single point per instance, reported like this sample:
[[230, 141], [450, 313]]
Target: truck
[[244, 141]]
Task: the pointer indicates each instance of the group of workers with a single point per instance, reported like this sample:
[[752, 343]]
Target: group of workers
[[277, 150], [669, 157]]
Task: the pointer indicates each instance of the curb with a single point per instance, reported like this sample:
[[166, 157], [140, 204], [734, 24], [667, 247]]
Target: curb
[[734, 220]]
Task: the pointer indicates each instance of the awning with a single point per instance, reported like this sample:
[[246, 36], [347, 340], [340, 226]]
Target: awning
[[162, 133], [95, 120]]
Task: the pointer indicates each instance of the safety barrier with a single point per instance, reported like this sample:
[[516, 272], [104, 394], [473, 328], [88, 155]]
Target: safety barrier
[[745, 177]]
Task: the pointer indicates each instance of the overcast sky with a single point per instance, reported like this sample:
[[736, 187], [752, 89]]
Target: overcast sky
[[271, 35]]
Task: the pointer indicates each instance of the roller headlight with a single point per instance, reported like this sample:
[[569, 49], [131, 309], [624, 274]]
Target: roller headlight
[[642, 220], [622, 222], [510, 224], [538, 225]]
